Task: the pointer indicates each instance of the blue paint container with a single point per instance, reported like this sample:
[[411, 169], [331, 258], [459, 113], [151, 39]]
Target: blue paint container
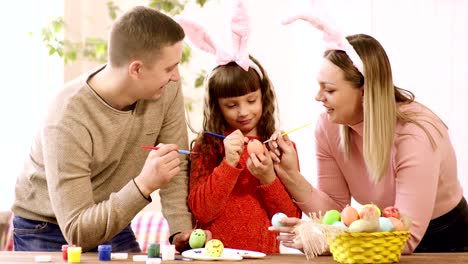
[[104, 252]]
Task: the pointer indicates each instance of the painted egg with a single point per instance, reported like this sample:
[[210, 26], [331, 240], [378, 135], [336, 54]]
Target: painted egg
[[331, 216], [197, 238], [397, 224], [358, 226], [214, 247], [255, 146], [339, 224], [275, 220], [369, 211], [348, 215], [385, 224]]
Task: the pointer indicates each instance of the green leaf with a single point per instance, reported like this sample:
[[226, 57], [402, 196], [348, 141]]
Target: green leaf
[[186, 54], [172, 7], [112, 9], [200, 79], [51, 51], [201, 2]]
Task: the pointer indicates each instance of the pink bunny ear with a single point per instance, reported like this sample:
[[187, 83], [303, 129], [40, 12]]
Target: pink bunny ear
[[240, 27], [197, 35], [332, 37]]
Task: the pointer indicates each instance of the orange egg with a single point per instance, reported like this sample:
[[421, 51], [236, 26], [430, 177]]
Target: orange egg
[[397, 224], [349, 215], [255, 146]]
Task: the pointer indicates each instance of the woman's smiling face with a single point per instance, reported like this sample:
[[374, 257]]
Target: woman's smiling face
[[342, 101]]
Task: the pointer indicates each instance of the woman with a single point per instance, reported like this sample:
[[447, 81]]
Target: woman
[[375, 144]]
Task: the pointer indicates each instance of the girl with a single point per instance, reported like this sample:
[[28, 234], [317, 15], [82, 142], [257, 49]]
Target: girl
[[233, 193]]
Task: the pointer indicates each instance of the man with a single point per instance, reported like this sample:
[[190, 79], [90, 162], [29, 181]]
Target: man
[[86, 176]]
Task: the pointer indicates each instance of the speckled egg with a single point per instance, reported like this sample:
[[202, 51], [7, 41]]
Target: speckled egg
[[214, 247], [197, 238], [275, 220], [255, 146]]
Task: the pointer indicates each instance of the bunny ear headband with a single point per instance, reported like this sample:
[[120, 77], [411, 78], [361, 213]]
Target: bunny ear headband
[[332, 37], [240, 29]]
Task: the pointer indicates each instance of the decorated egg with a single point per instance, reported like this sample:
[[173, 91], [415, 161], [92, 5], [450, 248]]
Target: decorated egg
[[197, 238], [214, 247], [275, 220], [385, 224], [369, 210], [406, 221], [391, 211], [397, 224], [255, 146], [348, 215], [339, 224], [361, 225], [331, 216]]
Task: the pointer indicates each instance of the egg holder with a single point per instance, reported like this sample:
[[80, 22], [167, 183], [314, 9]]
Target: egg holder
[[374, 247]]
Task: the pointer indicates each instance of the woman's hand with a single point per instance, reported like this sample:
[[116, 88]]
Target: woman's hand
[[233, 147], [283, 153], [286, 233], [261, 166]]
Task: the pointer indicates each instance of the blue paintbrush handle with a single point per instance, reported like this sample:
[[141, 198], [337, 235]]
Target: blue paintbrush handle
[[215, 135]]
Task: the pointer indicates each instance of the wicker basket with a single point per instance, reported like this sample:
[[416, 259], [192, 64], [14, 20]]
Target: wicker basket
[[376, 247]]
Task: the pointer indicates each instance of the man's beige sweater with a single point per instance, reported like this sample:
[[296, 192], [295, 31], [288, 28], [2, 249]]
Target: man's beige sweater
[[83, 159]]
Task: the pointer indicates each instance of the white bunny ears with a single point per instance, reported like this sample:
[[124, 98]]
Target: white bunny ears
[[332, 37], [240, 30]]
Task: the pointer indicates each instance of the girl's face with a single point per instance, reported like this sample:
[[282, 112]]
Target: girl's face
[[342, 101], [243, 112]]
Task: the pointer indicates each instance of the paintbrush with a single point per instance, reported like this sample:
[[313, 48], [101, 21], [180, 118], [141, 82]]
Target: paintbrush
[[181, 151], [283, 134]]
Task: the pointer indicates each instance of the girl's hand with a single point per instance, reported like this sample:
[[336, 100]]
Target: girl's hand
[[261, 166], [285, 232], [233, 147]]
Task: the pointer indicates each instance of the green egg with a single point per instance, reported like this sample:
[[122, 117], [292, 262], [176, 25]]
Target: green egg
[[197, 238], [331, 217]]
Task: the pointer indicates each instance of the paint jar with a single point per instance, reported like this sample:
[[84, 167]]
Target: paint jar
[[64, 251], [168, 252], [74, 254], [104, 252], [153, 251]]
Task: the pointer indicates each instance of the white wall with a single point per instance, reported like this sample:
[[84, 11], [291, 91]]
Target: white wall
[[29, 76]]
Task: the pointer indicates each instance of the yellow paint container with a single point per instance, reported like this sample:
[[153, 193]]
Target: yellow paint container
[[74, 254]]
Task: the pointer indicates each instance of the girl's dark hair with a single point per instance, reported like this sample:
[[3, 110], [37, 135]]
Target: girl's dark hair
[[231, 80]]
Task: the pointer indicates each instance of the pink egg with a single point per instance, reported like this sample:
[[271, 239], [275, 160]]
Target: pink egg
[[255, 146]]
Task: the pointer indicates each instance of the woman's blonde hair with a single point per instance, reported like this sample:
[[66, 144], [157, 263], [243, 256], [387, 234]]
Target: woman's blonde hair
[[380, 103]]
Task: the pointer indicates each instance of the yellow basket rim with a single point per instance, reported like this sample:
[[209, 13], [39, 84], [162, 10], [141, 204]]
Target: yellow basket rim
[[373, 234]]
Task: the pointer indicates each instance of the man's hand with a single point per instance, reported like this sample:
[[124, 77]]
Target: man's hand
[[160, 167], [181, 240]]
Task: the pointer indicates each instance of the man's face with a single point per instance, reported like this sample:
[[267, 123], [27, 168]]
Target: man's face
[[164, 70]]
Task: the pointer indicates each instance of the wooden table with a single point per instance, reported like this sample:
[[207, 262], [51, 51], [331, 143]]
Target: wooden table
[[28, 257]]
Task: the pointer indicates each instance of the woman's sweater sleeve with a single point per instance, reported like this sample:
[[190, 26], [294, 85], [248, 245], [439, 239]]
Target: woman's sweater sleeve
[[333, 191]]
